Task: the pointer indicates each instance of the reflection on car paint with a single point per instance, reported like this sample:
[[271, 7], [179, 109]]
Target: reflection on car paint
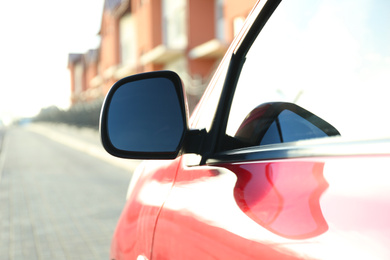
[[282, 197], [199, 197], [142, 209]]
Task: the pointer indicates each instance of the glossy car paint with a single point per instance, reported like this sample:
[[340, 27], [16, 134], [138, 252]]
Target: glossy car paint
[[323, 208], [325, 201], [135, 229]]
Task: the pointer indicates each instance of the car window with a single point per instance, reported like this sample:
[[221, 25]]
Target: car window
[[331, 58], [205, 111]]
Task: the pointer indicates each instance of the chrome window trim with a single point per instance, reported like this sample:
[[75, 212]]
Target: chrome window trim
[[327, 147]]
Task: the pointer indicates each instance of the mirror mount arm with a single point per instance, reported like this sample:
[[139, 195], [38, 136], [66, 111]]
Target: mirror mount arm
[[193, 141]]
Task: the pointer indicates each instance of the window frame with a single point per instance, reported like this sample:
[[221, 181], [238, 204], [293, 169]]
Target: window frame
[[215, 138]]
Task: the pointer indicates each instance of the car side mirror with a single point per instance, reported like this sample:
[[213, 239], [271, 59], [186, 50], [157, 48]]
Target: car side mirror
[[144, 117]]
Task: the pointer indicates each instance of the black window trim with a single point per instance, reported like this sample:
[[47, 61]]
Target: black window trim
[[215, 138]]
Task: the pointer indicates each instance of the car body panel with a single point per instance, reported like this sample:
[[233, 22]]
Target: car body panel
[[135, 229], [306, 208]]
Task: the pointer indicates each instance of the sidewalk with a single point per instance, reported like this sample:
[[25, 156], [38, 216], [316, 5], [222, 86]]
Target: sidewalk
[[55, 202], [85, 140]]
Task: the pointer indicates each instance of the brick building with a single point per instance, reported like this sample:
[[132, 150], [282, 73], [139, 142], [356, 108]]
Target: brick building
[[189, 37]]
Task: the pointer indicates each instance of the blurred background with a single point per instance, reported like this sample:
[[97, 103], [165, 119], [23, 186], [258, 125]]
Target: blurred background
[[58, 60], [60, 193], [36, 39]]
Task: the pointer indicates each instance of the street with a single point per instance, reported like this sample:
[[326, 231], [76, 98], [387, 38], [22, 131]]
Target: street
[[60, 194]]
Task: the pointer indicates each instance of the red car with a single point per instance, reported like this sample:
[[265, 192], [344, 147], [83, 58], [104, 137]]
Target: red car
[[252, 174]]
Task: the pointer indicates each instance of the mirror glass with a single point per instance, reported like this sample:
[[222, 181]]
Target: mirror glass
[[146, 116]]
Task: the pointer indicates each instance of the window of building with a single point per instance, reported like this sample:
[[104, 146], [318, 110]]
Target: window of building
[[128, 40], [174, 23]]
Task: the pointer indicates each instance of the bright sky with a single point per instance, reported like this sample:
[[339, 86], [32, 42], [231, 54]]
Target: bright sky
[[36, 38]]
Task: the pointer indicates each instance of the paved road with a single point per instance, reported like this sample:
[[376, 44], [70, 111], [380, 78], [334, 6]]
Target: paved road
[[60, 194]]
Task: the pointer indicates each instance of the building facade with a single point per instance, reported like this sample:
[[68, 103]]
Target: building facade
[[189, 37]]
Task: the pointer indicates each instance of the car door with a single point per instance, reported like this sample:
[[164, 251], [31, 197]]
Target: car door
[[277, 181]]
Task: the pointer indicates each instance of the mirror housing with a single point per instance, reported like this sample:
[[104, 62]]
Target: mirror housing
[[144, 116]]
